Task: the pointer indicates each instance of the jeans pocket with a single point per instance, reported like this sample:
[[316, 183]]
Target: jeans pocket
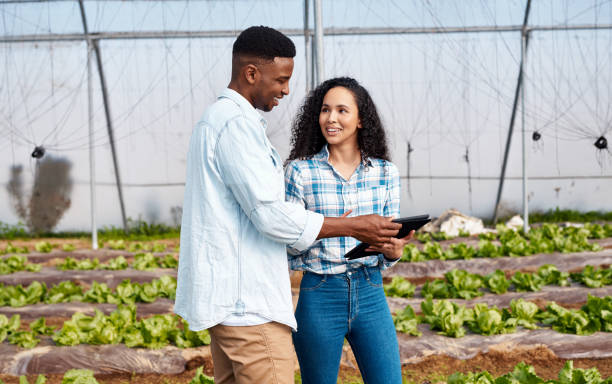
[[375, 279], [312, 281]]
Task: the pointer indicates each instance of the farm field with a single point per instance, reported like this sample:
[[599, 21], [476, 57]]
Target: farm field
[[466, 304]]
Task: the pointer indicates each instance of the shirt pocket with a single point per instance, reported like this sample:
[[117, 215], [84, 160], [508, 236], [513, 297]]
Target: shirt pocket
[[278, 167], [374, 196]]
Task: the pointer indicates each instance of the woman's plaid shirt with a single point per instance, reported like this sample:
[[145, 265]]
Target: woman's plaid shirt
[[374, 187]]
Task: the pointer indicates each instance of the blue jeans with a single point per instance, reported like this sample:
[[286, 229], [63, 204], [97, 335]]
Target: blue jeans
[[349, 305]]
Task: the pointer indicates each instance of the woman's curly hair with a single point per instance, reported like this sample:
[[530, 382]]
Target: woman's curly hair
[[307, 138]]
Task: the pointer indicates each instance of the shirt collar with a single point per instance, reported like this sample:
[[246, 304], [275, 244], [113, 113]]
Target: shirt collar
[[244, 104], [323, 156]]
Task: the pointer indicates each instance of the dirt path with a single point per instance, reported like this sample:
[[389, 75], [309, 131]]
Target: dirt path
[[50, 276]]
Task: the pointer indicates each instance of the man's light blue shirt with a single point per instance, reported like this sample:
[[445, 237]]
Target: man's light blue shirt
[[236, 224]]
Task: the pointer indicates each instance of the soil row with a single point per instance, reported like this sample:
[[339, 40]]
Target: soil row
[[415, 349], [50, 275], [112, 359], [418, 272], [102, 359]]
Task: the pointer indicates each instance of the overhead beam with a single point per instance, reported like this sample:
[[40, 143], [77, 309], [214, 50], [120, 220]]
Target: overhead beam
[[135, 35]]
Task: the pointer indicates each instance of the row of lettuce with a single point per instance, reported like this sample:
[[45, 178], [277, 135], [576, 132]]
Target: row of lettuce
[[451, 319], [68, 291], [461, 284], [86, 376], [448, 318], [47, 247], [508, 242], [525, 374], [591, 230], [560, 236], [546, 239], [141, 262], [458, 284], [119, 327]]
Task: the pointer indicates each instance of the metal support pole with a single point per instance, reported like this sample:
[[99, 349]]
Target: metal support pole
[[92, 164], [109, 123], [320, 70], [313, 56], [519, 83], [525, 196], [307, 46]]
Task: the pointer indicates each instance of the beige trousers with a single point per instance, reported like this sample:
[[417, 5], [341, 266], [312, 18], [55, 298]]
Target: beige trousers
[[258, 354]]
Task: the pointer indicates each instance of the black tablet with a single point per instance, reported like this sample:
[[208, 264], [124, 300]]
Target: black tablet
[[408, 224]]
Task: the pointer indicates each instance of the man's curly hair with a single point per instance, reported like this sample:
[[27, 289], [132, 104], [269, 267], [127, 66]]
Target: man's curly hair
[[307, 138], [264, 43]]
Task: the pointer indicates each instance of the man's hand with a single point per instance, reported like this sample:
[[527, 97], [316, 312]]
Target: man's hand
[[394, 249], [373, 229]]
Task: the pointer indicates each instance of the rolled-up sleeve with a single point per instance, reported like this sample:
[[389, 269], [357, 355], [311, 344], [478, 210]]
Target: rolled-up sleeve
[[392, 204], [248, 168], [294, 193]]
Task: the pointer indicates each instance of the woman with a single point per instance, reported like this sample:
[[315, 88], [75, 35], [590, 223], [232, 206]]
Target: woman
[[339, 164]]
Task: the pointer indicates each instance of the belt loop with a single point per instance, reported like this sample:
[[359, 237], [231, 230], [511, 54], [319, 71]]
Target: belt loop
[[366, 272]]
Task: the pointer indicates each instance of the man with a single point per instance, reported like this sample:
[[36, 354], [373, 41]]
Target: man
[[233, 275]]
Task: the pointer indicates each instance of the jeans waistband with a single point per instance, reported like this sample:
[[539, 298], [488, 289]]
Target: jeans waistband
[[353, 271]]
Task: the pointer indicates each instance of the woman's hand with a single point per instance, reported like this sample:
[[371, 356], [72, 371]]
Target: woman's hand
[[394, 248]]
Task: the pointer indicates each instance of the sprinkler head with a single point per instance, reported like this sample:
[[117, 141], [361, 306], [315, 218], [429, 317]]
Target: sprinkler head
[[536, 136], [38, 152], [601, 143]]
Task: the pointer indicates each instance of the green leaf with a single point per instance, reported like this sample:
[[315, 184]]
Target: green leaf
[[497, 282], [399, 287], [571, 375], [460, 251], [406, 321], [487, 249], [433, 251], [437, 289], [570, 321], [525, 313], [412, 254], [524, 282], [68, 247], [43, 246], [445, 316], [79, 376], [118, 263], [463, 284], [99, 293], [39, 327], [64, 292], [144, 261], [552, 276], [168, 261], [201, 378], [23, 339], [487, 321]]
